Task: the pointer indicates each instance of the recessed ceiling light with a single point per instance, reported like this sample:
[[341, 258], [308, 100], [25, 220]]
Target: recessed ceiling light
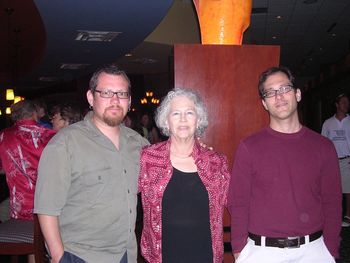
[[144, 61], [128, 55], [48, 79], [100, 36], [279, 17], [73, 66], [308, 2], [274, 37]]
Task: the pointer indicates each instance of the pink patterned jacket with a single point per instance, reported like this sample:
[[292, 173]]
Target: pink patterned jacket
[[155, 173]]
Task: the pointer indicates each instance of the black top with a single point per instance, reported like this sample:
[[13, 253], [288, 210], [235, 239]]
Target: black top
[[185, 215]]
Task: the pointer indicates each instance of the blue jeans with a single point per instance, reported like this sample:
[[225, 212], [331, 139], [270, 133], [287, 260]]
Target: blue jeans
[[124, 258], [70, 258]]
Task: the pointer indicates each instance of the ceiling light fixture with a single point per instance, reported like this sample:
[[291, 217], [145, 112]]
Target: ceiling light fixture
[[144, 61], [10, 94], [99, 36], [73, 66], [48, 79], [279, 17], [309, 2]]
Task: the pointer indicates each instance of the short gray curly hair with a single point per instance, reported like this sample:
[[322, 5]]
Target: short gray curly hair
[[164, 108]]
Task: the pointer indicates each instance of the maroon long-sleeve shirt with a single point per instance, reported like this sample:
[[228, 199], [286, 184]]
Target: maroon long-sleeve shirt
[[285, 185]]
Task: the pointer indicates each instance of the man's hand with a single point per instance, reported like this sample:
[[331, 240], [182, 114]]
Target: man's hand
[[56, 258]]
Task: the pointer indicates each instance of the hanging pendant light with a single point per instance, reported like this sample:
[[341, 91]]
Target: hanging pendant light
[[10, 94], [17, 99]]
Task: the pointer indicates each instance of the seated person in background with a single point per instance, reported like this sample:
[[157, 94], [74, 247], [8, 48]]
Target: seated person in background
[[20, 149], [183, 187], [63, 115]]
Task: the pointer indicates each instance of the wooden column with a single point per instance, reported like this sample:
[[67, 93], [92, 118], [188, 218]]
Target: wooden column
[[226, 76]]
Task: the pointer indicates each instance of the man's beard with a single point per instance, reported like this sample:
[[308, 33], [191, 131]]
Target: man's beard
[[113, 120]]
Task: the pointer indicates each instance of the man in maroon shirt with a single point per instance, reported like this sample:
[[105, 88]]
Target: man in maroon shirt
[[20, 149], [285, 190]]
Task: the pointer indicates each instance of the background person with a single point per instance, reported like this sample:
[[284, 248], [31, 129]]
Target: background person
[[41, 109], [337, 129], [285, 187], [148, 130], [63, 115], [183, 187], [20, 148]]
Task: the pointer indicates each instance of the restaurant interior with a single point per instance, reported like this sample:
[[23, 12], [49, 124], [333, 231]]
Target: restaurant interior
[[49, 49]]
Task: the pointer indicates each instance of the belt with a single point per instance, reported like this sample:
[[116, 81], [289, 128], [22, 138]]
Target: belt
[[289, 242], [345, 157]]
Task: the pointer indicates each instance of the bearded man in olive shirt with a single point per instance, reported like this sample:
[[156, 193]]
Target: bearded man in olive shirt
[[285, 192], [86, 193]]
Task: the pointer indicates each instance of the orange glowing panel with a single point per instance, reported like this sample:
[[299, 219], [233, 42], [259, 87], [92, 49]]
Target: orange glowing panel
[[223, 21]]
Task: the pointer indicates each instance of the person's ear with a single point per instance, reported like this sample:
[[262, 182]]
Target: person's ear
[[264, 104], [298, 95], [90, 98]]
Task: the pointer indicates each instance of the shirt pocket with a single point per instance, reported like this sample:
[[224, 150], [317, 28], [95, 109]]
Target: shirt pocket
[[97, 185]]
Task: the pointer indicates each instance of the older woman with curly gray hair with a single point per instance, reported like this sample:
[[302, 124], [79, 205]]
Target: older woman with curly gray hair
[[183, 186]]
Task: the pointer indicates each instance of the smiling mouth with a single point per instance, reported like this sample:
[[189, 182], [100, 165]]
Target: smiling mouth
[[282, 104]]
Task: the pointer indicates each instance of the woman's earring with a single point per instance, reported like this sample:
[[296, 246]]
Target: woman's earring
[[90, 107]]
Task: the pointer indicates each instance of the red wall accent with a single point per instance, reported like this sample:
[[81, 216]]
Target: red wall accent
[[226, 76]]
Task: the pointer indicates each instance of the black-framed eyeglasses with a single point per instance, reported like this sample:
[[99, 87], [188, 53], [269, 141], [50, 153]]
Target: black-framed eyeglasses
[[274, 92], [110, 94]]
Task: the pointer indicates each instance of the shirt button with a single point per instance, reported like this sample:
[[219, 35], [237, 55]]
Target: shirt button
[[124, 171], [130, 211], [128, 191]]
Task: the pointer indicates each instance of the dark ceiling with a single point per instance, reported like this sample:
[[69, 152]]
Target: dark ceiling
[[38, 37]]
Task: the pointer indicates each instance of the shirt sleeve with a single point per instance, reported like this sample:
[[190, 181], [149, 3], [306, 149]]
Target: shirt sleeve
[[54, 178], [141, 180], [324, 130], [331, 201], [239, 198]]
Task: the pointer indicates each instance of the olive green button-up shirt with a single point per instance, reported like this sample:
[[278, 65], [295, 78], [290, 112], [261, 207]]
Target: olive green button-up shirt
[[92, 187]]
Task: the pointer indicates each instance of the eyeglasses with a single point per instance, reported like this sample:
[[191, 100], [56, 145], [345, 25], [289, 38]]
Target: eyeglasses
[[110, 94], [273, 92]]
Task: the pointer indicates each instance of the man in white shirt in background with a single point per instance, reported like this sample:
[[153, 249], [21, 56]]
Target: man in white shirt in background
[[337, 129]]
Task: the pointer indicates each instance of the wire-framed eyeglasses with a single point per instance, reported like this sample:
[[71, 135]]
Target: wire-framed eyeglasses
[[110, 94], [274, 92]]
